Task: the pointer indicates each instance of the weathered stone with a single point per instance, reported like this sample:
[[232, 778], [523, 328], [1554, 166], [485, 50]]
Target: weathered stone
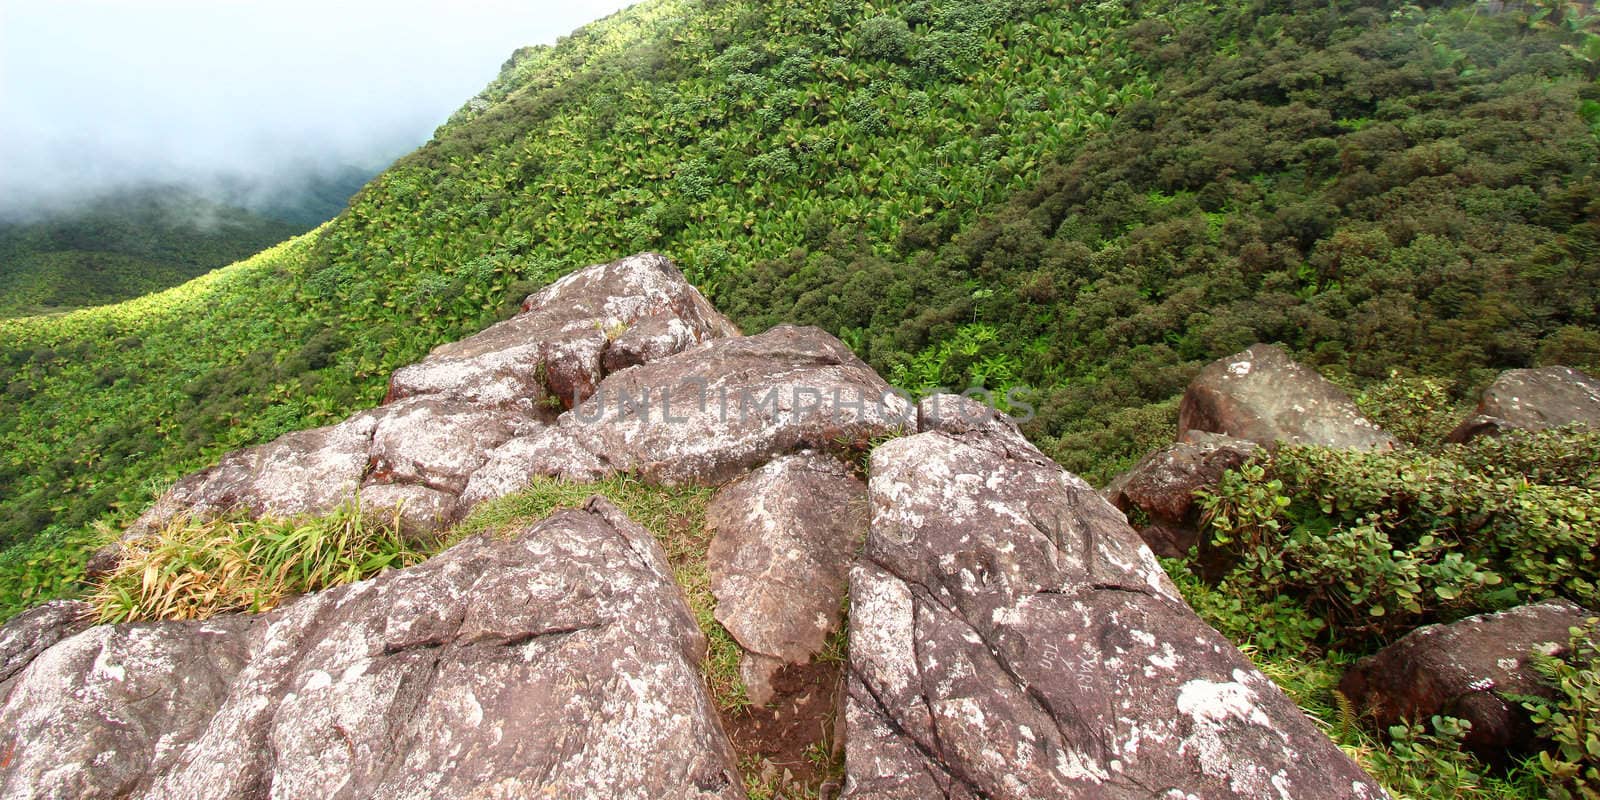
[[1010, 637], [1533, 400], [1467, 669], [548, 452], [957, 414], [422, 511], [99, 715], [712, 413], [1162, 486], [555, 350], [30, 633], [438, 444], [784, 539], [305, 472], [559, 663], [651, 339], [1264, 396]]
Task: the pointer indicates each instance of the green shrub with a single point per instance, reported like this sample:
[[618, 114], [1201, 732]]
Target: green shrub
[[1375, 544], [1571, 721]]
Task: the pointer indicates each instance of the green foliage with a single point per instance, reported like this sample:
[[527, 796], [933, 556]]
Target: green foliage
[[197, 569], [1417, 410], [123, 246], [1375, 544], [1571, 721]]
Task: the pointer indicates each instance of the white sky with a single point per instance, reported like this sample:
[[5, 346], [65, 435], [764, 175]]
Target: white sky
[[98, 93]]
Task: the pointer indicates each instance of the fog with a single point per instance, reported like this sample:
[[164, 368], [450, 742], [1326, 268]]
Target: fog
[[233, 97]]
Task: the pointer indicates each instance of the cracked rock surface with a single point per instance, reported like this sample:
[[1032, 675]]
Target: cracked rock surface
[[780, 560], [559, 663], [1010, 637]]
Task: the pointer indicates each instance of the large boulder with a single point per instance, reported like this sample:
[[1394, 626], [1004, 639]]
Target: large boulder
[[438, 443], [562, 662], [1264, 396], [712, 413], [1010, 637], [1470, 669], [1162, 486], [1533, 400], [556, 350], [785, 536]]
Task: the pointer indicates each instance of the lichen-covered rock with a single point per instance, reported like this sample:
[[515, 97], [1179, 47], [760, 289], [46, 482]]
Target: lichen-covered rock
[[785, 536], [714, 412], [1162, 486], [437, 443], [1010, 637], [305, 472], [559, 663], [1468, 669], [1266, 397], [555, 350], [30, 633], [1533, 400], [421, 511], [959, 415], [548, 452]]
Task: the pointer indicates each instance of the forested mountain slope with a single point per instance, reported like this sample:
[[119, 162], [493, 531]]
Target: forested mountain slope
[[1092, 200], [124, 245]]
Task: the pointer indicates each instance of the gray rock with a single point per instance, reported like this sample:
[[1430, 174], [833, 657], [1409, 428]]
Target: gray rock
[[556, 349], [1533, 400], [30, 633], [1162, 486], [436, 443], [1266, 397], [959, 415], [1467, 669], [559, 663], [713, 413], [1010, 637], [785, 536], [421, 511], [549, 452], [305, 472]]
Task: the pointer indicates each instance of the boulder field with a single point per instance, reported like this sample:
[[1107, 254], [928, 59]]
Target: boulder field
[[1008, 634]]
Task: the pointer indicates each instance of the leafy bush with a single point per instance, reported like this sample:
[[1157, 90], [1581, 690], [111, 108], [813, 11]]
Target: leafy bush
[[197, 569], [883, 38], [1376, 543], [1571, 721]]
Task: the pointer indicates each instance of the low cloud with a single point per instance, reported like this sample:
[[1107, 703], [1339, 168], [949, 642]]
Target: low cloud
[[99, 95]]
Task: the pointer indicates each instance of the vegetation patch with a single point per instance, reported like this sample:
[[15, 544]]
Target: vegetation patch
[[197, 569]]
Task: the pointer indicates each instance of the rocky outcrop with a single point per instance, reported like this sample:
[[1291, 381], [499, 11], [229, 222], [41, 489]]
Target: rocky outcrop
[[1162, 487], [1010, 637], [1469, 669], [713, 413], [785, 536], [555, 351], [1533, 400], [1263, 396], [485, 404], [561, 662]]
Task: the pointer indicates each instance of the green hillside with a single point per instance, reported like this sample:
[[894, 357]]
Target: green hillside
[[962, 191], [125, 245], [1090, 200]]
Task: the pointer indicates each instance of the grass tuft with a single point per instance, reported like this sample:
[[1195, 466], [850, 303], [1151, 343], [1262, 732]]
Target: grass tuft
[[194, 569]]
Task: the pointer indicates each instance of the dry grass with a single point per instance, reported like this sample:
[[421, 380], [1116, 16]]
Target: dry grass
[[194, 569]]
